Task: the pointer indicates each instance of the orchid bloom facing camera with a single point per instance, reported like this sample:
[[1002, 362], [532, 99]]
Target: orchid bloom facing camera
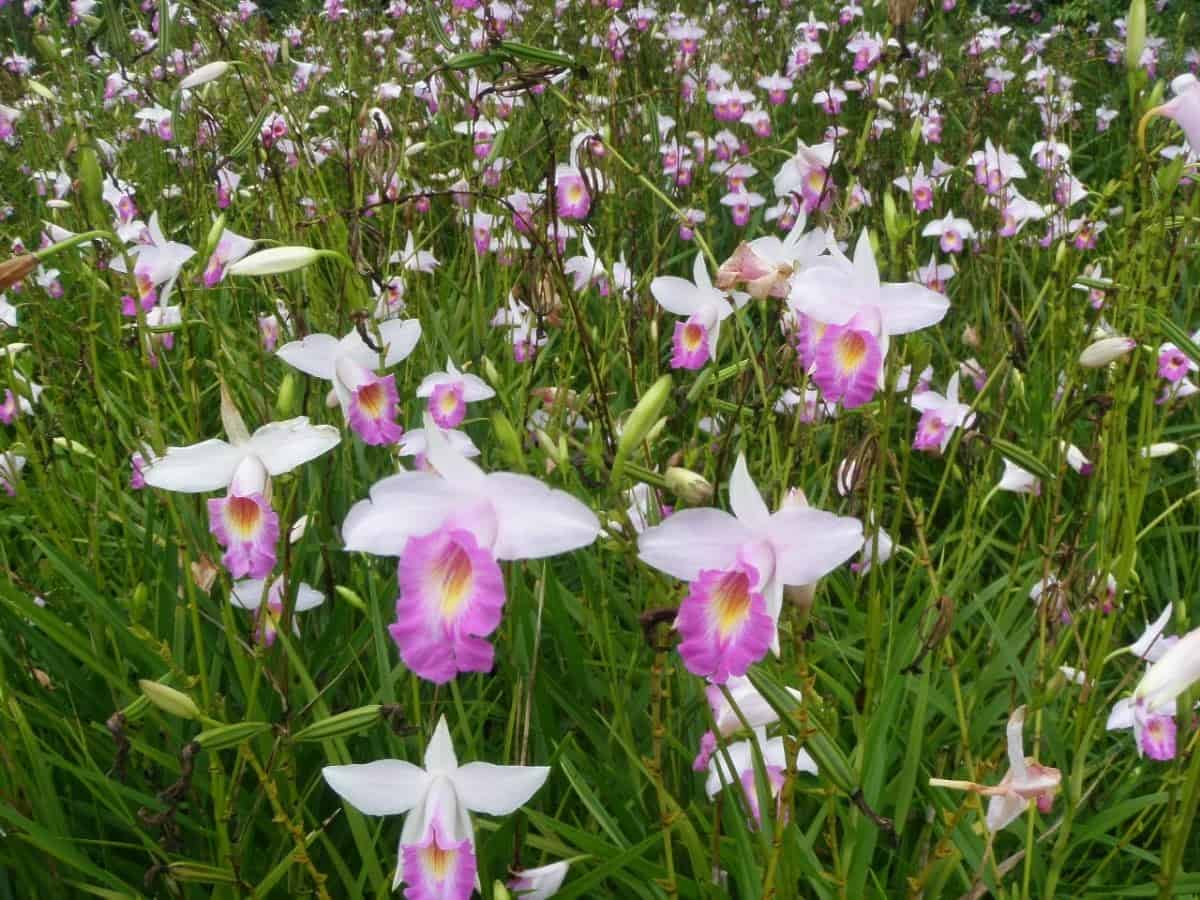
[[1026, 780], [451, 531], [368, 400], [449, 393], [437, 842], [737, 566], [705, 308], [940, 417], [858, 313], [242, 521]]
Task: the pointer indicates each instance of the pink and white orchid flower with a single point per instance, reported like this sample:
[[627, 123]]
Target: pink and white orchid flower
[[860, 312], [704, 306], [737, 566], [242, 521], [1026, 780], [449, 393], [254, 595], [437, 843], [368, 400], [451, 530]]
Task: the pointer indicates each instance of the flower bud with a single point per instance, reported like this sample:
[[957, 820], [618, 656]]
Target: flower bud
[[891, 219], [688, 486], [1135, 34], [285, 401], [490, 372], [1157, 451], [203, 75], [276, 261], [350, 597], [169, 700], [224, 736], [510, 442], [345, 723], [1104, 351], [641, 420]]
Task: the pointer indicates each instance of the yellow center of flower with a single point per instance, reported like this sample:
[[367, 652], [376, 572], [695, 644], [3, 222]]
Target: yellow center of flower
[[575, 194], [449, 402], [243, 516], [456, 579], [438, 862], [693, 336], [851, 351], [372, 399], [731, 602]]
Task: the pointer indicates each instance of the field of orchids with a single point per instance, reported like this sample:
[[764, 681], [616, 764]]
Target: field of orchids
[[573, 449]]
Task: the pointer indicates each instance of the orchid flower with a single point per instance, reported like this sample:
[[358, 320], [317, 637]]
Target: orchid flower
[[737, 566], [368, 400], [243, 521], [1151, 645], [1018, 480], [1183, 108], [859, 312], [412, 259], [940, 417], [540, 883], [11, 465], [741, 755], [156, 263], [1025, 780], [766, 264], [751, 705], [449, 393], [705, 306], [451, 530], [437, 843], [230, 248], [253, 594], [953, 232]]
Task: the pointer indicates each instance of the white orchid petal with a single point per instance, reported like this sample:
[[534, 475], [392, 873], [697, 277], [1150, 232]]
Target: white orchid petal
[[386, 787], [497, 790]]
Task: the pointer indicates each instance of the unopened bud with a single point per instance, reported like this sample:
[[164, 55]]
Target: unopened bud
[[490, 372], [285, 402], [1135, 34], [348, 722], [276, 261], [1104, 351], [224, 736], [169, 700], [689, 486]]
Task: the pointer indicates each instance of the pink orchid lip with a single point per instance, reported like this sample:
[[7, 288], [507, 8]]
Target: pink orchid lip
[[451, 598]]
